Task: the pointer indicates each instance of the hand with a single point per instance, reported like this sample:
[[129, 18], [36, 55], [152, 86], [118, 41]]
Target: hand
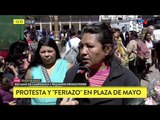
[[65, 101], [11, 90], [10, 66], [12, 103], [26, 63]]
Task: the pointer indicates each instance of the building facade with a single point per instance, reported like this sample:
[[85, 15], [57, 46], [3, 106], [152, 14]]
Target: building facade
[[66, 22]]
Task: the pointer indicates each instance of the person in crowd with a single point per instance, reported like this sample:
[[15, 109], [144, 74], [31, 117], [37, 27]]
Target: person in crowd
[[2, 64], [28, 37], [142, 55], [97, 60], [52, 35], [125, 36], [62, 38], [155, 53], [120, 50], [79, 34], [150, 45], [73, 41], [71, 51], [132, 52], [44, 32], [19, 57], [6, 90], [8, 74], [47, 66], [16, 50], [151, 30], [155, 36], [157, 49]]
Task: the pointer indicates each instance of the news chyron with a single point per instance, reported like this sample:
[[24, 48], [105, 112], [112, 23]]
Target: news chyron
[[38, 82]]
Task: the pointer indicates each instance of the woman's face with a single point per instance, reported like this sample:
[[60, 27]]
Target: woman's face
[[116, 34], [47, 54], [148, 36], [91, 50]]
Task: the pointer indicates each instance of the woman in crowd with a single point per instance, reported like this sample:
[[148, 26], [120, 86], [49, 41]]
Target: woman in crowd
[[47, 66], [97, 58], [132, 52], [150, 45], [120, 50]]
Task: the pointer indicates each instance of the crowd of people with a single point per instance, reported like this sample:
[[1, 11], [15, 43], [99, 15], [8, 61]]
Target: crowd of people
[[109, 56]]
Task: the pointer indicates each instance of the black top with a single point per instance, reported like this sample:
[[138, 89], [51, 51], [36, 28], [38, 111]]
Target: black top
[[118, 76]]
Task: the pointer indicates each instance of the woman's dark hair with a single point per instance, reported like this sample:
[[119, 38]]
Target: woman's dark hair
[[134, 34], [145, 36], [16, 50], [116, 30], [102, 29], [104, 34], [44, 41], [5, 82]]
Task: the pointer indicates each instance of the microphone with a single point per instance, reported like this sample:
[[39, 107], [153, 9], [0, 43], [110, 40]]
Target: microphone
[[82, 75]]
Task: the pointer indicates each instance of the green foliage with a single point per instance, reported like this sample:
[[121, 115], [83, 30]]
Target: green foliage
[[10, 32]]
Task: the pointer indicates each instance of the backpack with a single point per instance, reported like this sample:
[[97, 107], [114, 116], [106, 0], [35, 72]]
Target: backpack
[[142, 50], [71, 55]]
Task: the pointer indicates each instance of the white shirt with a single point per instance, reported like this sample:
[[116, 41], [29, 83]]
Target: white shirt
[[74, 43], [124, 35], [149, 46], [156, 34]]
